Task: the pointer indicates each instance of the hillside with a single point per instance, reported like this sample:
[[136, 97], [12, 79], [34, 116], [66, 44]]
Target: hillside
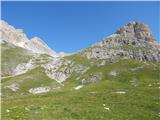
[[115, 79]]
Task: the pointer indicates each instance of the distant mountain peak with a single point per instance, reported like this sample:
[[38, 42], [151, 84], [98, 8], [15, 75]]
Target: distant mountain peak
[[37, 44], [19, 38], [10, 34], [38, 40]]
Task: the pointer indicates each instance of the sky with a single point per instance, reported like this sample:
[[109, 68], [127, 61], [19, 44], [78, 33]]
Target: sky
[[72, 26]]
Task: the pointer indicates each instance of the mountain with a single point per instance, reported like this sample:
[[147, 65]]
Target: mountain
[[116, 78], [18, 38], [133, 40]]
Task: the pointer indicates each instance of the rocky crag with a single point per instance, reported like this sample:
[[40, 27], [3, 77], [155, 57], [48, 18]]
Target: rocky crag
[[133, 40]]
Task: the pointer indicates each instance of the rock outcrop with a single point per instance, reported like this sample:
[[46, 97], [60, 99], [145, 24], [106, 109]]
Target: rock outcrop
[[133, 40], [92, 78], [39, 90]]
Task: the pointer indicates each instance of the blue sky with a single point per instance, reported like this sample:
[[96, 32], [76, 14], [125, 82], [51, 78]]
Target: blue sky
[[71, 26]]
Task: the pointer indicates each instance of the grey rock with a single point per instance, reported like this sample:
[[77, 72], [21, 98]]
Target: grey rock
[[92, 78], [113, 73], [79, 68], [133, 40], [59, 76], [18, 38], [39, 90]]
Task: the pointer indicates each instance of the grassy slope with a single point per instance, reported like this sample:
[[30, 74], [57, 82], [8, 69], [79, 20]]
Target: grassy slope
[[11, 57], [79, 59], [31, 79], [141, 102]]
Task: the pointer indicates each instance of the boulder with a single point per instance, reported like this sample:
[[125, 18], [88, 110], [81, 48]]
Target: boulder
[[92, 78]]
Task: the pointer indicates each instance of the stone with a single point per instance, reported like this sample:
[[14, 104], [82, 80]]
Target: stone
[[7, 110], [23, 68], [14, 87], [92, 78], [121, 92], [39, 90], [79, 69], [134, 82], [78, 87], [106, 108], [136, 68], [113, 73]]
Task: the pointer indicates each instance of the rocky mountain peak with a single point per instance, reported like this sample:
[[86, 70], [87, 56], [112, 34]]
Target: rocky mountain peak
[[38, 45], [133, 33], [38, 41], [18, 37], [133, 40], [138, 30], [12, 35]]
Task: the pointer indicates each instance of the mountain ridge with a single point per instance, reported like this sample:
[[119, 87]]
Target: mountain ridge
[[131, 41], [19, 38], [138, 30]]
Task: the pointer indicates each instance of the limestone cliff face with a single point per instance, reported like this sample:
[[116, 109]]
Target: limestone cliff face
[[136, 29], [18, 37], [39, 46], [139, 31], [12, 35]]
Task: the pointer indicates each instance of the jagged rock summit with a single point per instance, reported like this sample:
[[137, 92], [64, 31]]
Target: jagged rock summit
[[133, 33], [137, 30], [19, 38], [38, 45], [133, 40]]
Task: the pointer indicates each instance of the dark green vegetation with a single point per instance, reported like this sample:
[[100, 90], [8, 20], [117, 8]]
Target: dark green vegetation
[[139, 80]]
